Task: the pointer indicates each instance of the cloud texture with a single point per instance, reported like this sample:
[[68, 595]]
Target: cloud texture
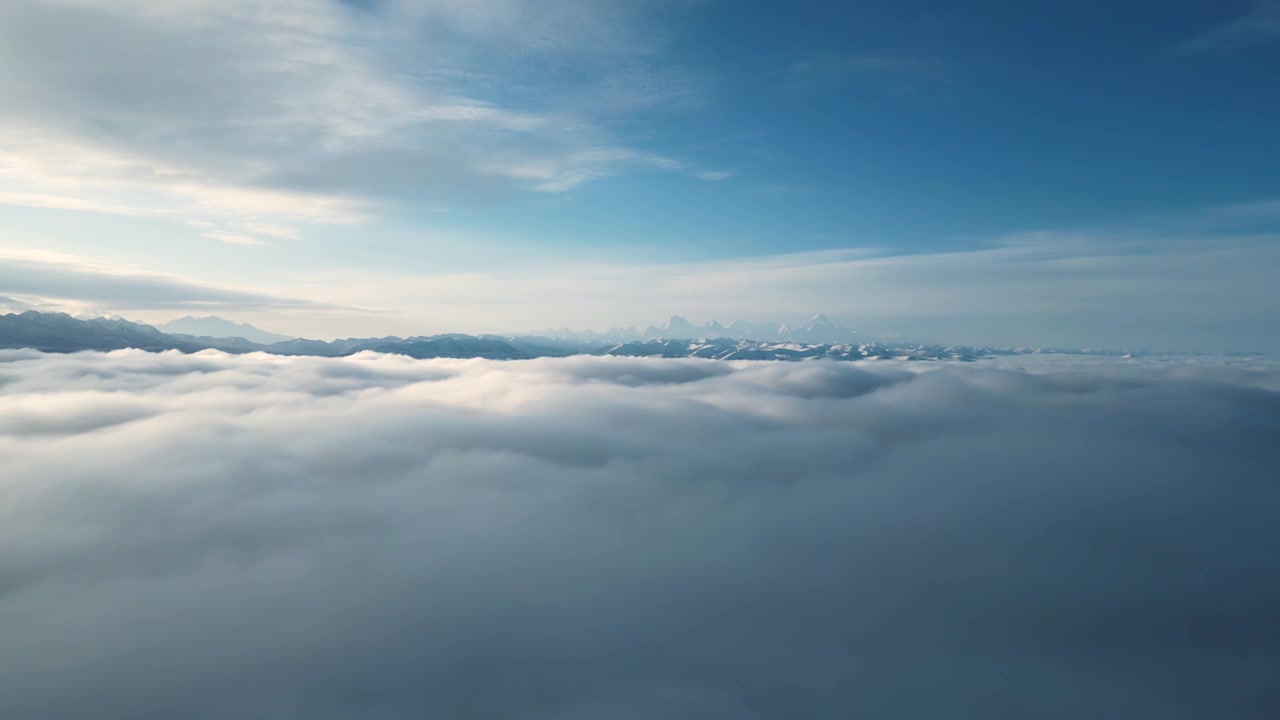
[[63, 282], [213, 536], [287, 114]]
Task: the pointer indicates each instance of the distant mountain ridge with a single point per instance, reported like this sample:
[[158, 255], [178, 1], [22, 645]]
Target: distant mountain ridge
[[216, 327], [817, 329], [59, 333]]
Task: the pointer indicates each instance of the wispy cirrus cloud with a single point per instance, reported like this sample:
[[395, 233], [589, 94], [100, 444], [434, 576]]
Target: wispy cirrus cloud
[[1260, 25], [296, 112], [71, 283]]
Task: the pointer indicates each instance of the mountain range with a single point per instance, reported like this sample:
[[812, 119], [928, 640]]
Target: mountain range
[[816, 330], [216, 327], [58, 332]]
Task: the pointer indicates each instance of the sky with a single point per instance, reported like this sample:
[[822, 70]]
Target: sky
[[1100, 174]]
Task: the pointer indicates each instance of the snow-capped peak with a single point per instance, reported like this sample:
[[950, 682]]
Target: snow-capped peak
[[818, 321], [677, 323]]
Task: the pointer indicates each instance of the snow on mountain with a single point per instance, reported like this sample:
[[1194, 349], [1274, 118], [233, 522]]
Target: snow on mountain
[[714, 329], [817, 329], [678, 327], [818, 322], [57, 332]]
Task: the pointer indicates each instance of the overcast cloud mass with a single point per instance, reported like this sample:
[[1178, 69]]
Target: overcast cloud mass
[[214, 536]]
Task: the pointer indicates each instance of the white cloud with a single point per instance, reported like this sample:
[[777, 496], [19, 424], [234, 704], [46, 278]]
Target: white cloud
[[210, 536], [713, 175], [63, 202], [71, 283], [236, 239], [295, 111]]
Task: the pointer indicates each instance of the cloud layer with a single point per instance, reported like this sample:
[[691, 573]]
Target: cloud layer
[[210, 536]]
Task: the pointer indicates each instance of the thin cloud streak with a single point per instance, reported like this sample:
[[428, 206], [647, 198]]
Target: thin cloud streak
[[73, 283], [1260, 25]]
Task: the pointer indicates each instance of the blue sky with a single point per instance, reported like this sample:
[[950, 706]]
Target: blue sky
[[1082, 173]]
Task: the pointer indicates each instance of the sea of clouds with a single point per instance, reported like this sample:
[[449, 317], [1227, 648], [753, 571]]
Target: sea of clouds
[[376, 537]]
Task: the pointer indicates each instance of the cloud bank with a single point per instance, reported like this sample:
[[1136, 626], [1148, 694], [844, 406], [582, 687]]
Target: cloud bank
[[210, 536]]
